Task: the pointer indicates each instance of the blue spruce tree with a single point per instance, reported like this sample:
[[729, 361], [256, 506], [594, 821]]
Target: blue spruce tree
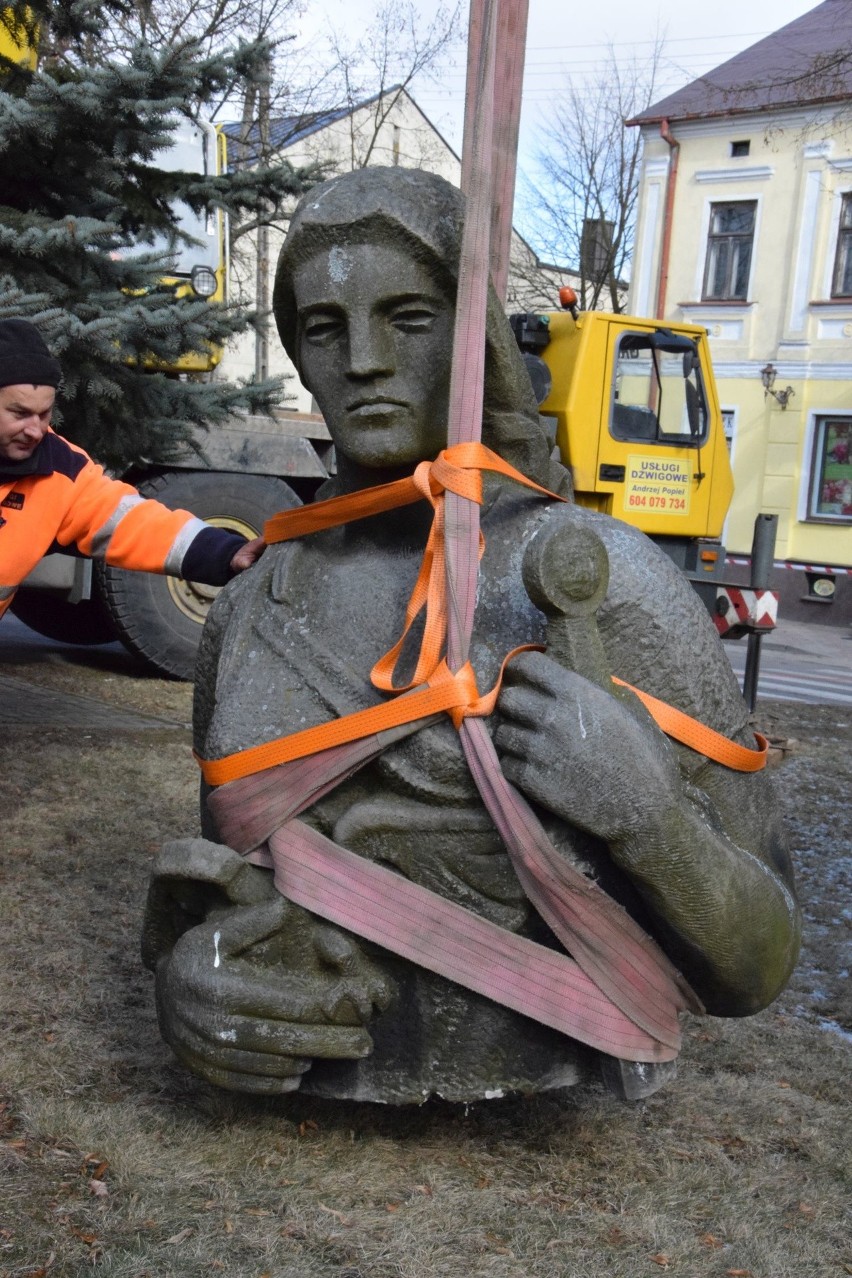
[[90, 229]]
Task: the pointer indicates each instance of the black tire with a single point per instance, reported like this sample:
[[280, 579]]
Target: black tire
[[159, 618], [87, 622]]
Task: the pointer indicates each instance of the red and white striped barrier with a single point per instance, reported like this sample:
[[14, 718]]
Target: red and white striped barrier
[[740, 610], [796, 567]]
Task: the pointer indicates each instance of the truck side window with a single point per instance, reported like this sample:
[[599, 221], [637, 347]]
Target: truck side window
[[658, 394]]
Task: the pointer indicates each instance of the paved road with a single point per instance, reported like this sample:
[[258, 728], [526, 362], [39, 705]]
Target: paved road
[[25, 704], [799, 662], [20, 645]]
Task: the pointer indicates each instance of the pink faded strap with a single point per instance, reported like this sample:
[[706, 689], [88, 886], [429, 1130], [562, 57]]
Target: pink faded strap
[[249, 810], [434, 933], [608, 944], [626, 963], [633, 974]]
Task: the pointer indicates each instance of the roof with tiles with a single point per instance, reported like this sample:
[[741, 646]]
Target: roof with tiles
[[286, 130], [806, 63]]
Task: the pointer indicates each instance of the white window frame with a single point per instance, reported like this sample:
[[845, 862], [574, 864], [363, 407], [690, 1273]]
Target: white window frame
[[733, 415], [723, 250], [843, 169], [701, 262], [831, 263]]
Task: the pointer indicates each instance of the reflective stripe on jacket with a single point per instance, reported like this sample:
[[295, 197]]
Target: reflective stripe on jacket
[[68, 502]]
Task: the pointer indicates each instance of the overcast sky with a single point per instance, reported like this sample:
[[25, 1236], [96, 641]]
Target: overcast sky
[[573, 36]]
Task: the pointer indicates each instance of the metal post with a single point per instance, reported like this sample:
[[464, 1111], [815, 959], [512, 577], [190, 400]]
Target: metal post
[[752, 669], [259, 93], [762, 559]]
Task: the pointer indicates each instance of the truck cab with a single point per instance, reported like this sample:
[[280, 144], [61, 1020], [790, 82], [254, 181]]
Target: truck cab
[[634, 413]]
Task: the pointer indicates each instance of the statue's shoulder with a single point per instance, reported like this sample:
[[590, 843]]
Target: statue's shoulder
[[658, 632], [236, 607]]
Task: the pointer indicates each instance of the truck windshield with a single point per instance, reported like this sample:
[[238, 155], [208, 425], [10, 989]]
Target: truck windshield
[[658, 393], [192, 150]]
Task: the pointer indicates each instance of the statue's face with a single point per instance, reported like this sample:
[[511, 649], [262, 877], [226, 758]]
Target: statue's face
[[375, 349]]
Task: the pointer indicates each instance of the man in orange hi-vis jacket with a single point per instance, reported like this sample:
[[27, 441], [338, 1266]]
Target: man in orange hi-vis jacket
[[54, 497]]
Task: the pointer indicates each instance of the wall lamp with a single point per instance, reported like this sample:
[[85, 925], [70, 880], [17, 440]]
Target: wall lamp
[[767, 376]]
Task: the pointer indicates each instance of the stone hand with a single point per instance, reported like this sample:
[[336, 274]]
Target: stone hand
[[248, 999], [592, 758]]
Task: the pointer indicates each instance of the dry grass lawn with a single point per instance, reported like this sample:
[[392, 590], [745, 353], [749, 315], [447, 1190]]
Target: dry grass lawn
[[113, 1160]]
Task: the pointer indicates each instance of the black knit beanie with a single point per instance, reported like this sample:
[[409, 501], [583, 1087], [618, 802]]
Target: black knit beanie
[[24, 357]]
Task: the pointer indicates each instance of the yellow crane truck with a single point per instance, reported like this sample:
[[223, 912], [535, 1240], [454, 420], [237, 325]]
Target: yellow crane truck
[[633, 411], [632, 407]]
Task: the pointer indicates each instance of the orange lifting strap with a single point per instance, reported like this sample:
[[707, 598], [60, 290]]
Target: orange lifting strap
[[433, 687]]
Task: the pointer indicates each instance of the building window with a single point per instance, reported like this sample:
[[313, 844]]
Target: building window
[[740, 148], [729, 245], [831, 471], [842, 284]]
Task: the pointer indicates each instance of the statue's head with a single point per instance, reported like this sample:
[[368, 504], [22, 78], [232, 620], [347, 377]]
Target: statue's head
[[365, 301]]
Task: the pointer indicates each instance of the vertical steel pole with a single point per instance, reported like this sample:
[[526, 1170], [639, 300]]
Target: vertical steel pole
[[762, 558]]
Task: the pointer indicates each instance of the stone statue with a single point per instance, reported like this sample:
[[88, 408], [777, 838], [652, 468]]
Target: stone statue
[[257, 994]]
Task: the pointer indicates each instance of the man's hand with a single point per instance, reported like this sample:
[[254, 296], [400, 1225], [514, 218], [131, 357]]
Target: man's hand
[[248, 555]]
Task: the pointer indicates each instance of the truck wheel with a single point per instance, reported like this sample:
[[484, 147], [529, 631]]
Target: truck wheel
[[160, 618], [87, 622]]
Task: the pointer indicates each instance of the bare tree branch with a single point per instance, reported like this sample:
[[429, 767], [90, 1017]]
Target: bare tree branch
[[394, 51], [583, 201]]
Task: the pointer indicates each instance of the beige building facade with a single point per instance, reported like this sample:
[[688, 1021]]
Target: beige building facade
[[745, 227]]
